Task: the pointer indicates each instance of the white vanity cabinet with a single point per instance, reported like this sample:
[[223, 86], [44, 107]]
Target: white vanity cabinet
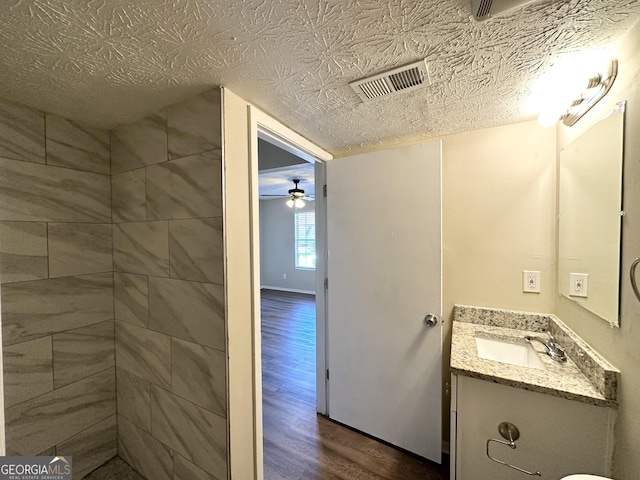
[[558, 437]]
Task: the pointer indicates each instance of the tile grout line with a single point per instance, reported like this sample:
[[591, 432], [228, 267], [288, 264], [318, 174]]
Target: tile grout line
[[63, 386], [113, 294]]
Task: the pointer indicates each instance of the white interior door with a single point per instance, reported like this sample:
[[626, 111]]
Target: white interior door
[[384, 242]]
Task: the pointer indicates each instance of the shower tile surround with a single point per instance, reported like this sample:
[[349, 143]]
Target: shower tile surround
[[169, 291], [57, 288], [100, 227], [586, 377]]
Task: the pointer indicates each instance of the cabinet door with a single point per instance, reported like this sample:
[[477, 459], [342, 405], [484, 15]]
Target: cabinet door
[[558, 437]]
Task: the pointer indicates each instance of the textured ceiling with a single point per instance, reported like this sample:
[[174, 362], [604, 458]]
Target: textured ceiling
[[108, 62]]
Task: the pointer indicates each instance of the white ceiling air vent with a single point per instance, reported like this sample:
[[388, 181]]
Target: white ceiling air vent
[[403, 78], [485, 9]]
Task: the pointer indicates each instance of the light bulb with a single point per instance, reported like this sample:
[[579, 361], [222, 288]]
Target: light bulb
[[299, 203], [290, 203]]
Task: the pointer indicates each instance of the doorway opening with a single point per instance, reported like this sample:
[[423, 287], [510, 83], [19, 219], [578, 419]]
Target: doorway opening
[[292, 261], [287, 223], [288, 285], [296, 442], [287, 298]]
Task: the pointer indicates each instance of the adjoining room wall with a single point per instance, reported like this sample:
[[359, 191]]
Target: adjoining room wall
[[277, 249], [57, 288], [169, 291]]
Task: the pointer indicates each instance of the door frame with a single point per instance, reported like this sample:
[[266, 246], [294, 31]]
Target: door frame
[[264, 127], [261, 125]]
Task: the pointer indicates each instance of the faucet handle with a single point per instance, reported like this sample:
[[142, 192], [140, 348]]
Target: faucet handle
[[556, 351]]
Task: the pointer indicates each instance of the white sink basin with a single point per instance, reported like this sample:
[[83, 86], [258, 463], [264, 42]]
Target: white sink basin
[[521, 354]]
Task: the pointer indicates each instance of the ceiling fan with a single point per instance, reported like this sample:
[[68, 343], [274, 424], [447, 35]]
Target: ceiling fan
[[295, 195]]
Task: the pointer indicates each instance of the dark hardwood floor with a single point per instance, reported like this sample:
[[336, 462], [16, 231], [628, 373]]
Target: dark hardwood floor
[[298, 443]]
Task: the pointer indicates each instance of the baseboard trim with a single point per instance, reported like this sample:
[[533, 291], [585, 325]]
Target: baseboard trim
[[282, 289]]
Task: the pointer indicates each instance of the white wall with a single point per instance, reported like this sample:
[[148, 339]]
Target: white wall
[[277, 249], [619, 346], [498, 219], [499, 216]]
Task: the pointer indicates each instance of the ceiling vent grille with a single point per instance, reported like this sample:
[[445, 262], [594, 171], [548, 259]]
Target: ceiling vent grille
[[403, 78], [485, 9]]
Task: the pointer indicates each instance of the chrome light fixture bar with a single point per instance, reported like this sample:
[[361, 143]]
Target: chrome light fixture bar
[[596, 90]]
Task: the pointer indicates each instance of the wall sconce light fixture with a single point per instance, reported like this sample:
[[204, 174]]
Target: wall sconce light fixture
[[596, 89]]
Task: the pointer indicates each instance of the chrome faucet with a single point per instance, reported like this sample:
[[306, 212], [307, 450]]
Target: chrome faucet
[[554, 350]]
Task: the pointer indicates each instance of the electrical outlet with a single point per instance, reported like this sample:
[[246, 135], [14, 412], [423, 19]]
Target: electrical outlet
[[578, 284], [284, 276], [531, 281]]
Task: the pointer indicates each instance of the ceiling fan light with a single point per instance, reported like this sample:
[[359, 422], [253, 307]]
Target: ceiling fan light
[[290, 203], [299, 203]]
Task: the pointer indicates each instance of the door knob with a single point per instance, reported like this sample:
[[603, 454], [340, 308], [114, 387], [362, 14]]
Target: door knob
[[431, 320]]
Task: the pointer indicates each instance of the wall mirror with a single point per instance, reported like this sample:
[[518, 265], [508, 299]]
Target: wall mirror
[[590, 217]]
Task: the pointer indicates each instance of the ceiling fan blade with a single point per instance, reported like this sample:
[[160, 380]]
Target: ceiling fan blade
[[293, 193]]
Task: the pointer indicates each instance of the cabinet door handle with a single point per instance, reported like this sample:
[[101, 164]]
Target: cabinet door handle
[[510, 444]]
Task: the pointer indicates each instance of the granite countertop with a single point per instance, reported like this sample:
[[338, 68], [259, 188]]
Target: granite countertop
[[585, 377]]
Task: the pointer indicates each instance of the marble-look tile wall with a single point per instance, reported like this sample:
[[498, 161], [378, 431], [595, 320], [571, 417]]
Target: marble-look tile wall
[[168, 292], [56, 270]]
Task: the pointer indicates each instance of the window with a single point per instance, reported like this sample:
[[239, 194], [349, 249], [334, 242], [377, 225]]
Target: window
[[305, 246]]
